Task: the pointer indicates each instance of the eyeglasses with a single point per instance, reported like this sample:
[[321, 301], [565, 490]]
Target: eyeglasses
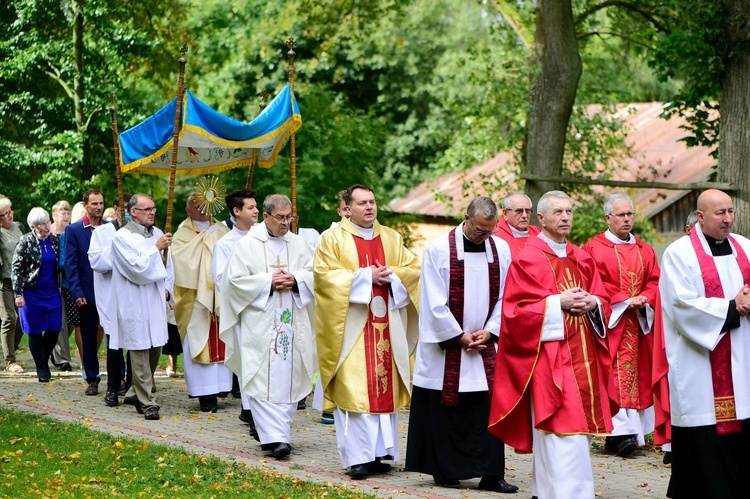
[[521, 211], [149, 210], [283, 218], [482, 232], [8, 214], [627, 214]]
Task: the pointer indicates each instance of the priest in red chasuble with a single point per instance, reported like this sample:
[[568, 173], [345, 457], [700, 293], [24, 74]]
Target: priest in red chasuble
[[550, 386], [366, 294], [630, 272], [514, 225]]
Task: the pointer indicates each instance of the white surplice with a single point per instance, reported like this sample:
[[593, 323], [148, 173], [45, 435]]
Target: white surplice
[[692, 329], [137, 295], [100, 258], [437, 323]]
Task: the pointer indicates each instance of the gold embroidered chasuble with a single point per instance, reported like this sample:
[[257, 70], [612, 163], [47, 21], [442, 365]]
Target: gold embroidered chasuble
[[342, 326]]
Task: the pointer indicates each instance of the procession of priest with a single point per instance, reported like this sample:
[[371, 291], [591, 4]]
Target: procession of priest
[[502, 334]]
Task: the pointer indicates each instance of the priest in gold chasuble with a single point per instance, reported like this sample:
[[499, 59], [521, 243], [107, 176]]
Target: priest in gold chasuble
[[196, 301], [366, 292]]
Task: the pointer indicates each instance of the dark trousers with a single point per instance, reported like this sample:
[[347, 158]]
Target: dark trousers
[[41, 346], [89, 334], [115, 367]]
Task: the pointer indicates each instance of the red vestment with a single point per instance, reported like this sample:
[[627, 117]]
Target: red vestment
[[567, 377], [516, 244], [628, 270]]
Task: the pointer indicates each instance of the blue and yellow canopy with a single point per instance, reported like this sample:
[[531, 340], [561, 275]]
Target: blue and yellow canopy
[[209, 141]]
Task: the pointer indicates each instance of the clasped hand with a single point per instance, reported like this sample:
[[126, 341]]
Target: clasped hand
[[742, 300], [282, 281], [474, 341], [577, 301], [381, 275]]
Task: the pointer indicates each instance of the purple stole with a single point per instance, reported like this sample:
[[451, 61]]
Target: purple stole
[[721, 356], [449, 396]]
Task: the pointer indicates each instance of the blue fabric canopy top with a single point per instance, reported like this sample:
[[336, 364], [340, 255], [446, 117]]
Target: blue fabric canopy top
[[209, 141]]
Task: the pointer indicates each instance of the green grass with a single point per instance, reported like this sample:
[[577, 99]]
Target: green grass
[[42, 457]]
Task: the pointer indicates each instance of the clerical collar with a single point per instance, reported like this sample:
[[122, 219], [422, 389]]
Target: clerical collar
[[145, 231], [202, 225], [367, 233], [613, 238], [518, 233], [560, 249], [718, 247], [472, 247]]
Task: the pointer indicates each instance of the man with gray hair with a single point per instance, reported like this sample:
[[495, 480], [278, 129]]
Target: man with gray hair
[[550, 387], [514, 227], [462, 282], [267, 288], [140, 285], [630, 272], [10, 233]]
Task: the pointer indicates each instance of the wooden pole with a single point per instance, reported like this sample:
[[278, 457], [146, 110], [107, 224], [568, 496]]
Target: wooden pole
[[251, 169], [291, 43], [118, 166], [175, 141]]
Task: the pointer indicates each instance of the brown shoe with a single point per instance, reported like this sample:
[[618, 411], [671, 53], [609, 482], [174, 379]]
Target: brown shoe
[[92, 389]]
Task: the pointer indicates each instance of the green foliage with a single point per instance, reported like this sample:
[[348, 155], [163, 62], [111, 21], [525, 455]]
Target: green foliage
[[695, 50]]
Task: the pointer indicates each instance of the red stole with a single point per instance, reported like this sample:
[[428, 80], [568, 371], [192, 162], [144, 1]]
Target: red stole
[[216, 347], [377, 336], [577, 355], [452, 370], [721, 356]]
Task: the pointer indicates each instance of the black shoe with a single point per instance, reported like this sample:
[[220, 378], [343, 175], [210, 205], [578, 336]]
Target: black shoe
[[359, 471], [246, 416], [610, 444], [281, 450], [43, 379], [667, 458], [209, 403], [111, 398], [65, 367], [378, 466], [497, 486], [446, 482], [627, 447], [301, 405], [210, 408], [326, 418], [254, 433], [151, 413]]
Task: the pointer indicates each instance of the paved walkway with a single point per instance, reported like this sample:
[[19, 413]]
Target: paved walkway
[[314, 457]]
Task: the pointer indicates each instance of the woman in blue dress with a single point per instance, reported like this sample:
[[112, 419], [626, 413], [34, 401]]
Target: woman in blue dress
[[37, 290]]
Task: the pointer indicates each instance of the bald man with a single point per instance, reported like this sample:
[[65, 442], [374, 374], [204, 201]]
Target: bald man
[[705, 300]]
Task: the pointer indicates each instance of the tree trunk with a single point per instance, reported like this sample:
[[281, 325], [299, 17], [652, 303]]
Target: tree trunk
[[553, 93], [79, 90], [734, 106]]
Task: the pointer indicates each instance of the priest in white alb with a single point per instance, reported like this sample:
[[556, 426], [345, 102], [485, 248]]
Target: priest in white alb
[[705, 302], [244, 212], [267, 289]]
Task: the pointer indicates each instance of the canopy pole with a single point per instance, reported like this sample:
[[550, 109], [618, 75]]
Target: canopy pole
[[291, 43], [251, 169], [175, 141], [118, 167]]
